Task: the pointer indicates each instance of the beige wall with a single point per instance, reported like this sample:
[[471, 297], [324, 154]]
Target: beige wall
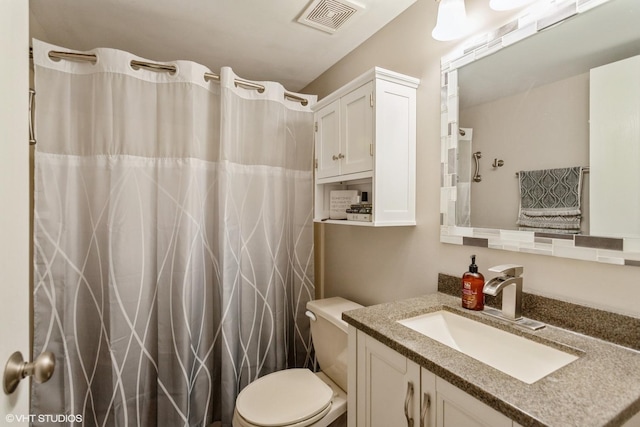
[[377, 265]]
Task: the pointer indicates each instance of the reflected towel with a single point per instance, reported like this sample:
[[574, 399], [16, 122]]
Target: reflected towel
[[550, 199]]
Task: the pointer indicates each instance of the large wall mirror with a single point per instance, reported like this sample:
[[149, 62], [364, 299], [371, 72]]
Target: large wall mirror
[[541, 135]]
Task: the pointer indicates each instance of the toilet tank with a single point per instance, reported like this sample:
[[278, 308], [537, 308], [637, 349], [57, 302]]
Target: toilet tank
[[329, 333]]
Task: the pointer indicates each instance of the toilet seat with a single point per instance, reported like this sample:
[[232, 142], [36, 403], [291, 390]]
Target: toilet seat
[[291, 398], [238, 420]]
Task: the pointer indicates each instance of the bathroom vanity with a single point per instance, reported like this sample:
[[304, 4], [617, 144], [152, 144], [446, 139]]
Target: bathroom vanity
[[404, 377]]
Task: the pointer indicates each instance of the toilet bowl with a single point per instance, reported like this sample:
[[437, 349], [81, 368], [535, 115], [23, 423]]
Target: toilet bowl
[[300, 397]]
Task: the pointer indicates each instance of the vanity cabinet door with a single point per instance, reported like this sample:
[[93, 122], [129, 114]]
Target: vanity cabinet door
[[455, 408], [388, 391]]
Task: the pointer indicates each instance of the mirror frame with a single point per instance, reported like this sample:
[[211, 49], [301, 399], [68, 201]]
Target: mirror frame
[[618, 251]]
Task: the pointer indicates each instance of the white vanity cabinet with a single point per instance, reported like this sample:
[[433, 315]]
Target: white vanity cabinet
[[365, 140], [391, 390]]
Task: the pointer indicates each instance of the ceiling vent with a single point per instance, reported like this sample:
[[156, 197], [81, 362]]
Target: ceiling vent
[[329, 15]]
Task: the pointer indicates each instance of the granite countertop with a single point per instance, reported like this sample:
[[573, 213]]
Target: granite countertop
[[600, 388]]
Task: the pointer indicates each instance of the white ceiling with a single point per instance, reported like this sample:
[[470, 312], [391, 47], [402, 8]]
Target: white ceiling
[[259, 39]]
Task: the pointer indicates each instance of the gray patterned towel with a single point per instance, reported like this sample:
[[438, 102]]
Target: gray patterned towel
[[550, 199]]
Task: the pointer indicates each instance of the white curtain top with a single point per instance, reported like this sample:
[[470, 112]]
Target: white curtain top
[[112, 109]]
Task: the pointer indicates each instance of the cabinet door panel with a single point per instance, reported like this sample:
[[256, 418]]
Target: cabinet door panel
[[391, 386], [455, 408], [356, 113], [453, 415], [328, 141], [395, 160]]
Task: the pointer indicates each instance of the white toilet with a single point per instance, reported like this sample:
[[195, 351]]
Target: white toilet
[[299, 397]]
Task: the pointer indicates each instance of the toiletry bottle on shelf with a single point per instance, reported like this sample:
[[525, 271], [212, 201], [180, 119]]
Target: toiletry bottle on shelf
[[472, 284]]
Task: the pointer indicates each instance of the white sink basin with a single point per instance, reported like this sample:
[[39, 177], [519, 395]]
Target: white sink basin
[[516, 356]]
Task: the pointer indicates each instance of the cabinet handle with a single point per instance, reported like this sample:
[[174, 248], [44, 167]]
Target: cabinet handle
[[341, 156], [407, 401], [426, 405]]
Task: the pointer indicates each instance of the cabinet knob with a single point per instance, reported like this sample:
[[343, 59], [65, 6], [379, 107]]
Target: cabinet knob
[[341, 156], [334, 157]]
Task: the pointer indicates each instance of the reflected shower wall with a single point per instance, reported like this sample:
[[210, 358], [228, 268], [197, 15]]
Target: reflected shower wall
[[464, 161]]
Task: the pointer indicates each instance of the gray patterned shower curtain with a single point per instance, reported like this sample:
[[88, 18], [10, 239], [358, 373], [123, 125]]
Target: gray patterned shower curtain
[[173, 241]]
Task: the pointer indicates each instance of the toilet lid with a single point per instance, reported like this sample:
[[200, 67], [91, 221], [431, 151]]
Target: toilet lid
[[283, 398]]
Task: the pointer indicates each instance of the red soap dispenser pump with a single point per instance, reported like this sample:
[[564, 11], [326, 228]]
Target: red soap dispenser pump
[[472, 284]]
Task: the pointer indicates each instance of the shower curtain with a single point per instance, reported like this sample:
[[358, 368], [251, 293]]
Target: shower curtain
[[173, 243]]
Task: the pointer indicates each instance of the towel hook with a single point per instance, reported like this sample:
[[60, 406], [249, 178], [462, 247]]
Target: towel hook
[[476, 157]]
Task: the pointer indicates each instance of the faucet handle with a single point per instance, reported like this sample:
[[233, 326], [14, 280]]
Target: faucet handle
[[511, 270]]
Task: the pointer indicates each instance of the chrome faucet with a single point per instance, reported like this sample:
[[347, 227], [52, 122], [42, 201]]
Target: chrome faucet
[[509, 282]]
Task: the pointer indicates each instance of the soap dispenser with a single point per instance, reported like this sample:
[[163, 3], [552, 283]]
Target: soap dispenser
[[472, 284]]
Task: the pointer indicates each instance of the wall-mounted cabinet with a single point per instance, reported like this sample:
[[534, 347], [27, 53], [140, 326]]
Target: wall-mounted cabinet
[[366, 141]]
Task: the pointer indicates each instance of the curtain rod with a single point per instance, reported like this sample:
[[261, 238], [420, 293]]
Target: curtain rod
[[171, 69]]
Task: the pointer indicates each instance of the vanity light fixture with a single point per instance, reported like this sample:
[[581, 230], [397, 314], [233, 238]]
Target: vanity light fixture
[[451, 23], [508, 4]]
